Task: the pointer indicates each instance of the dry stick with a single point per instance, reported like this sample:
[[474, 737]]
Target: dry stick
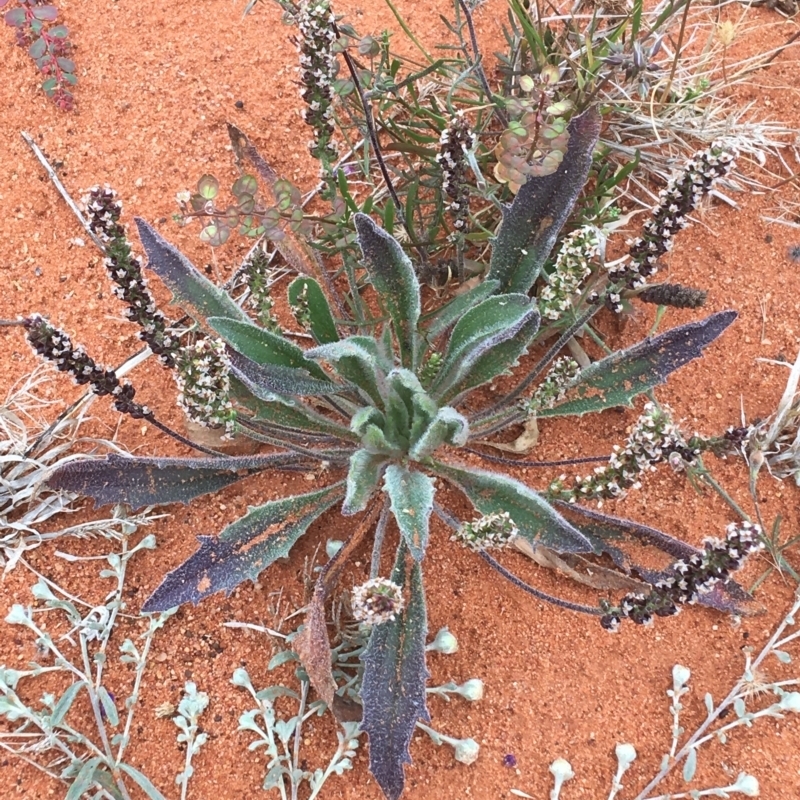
[[668, 87], [61, 190], [373, 137], [478, 62]]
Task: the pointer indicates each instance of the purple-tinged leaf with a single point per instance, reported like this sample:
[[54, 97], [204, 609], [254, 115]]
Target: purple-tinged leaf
[[143, 482], [532, 222], [16, 17], [4, 3], [393, 687], [59, 31], [267, 380], [66, 64], [618, 378], [245, 185], [618, 538], [45, 13], [38, 49], [195, 293], [243, 550], [393, 278]]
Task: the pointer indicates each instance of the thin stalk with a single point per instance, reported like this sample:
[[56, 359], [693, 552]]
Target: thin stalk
[[678, 47]]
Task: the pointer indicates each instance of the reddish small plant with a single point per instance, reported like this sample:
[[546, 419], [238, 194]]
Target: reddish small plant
[[47, 45]]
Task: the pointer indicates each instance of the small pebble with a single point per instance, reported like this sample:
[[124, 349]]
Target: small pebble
[[239, 104]]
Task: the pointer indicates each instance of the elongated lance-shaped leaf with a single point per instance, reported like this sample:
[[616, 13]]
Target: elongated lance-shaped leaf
[[321, 324], [448, 426], [286, 412], [411, 495], [618, 538], [493, 358], [485, 342], [357, 359], [266, 381], [532, 222], [536, 519], [393, 278], [441, 319], [243, 550], [143, 482], [363, 477], [618, 378], [264, 347], [192, 291], [393, 687]]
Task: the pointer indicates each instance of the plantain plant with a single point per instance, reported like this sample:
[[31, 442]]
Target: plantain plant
[[391, 403]]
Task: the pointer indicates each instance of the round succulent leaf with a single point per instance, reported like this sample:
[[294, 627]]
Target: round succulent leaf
[[208, 187], [244, 185], [215, 233]]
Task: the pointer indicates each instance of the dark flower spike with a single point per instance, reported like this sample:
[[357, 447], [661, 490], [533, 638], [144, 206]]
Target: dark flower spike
[[689, 579], [674, 295], [456, 140], [317, 70], [103, 211], [677, 201]]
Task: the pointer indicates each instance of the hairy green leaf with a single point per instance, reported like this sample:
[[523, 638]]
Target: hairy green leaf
[[266, 381], [393, 278], [393, 687], [441, 319], [485, 342], [307, 291], [358, 360], [262, 346], [192, 291], [363, 477], [532, 222], [243, 550], [141, 482], [618, 378], [448, 426], [536, 519], [411, 494]]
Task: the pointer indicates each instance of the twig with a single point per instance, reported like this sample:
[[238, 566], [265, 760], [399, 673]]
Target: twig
[[478, 63], [679, 45], [61, 190]]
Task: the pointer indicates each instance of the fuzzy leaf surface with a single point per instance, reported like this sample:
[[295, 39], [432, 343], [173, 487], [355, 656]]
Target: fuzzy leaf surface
[[393, 687], [323, 327], [532, 222], [141, 482], [363, 478], [475, 352], [536, 519], [267, 380], [392, 275], [449, 314], [411, 495], [618, 378], [357, 359], [448, 426], [243, 550], [192, 291], [262, 346]]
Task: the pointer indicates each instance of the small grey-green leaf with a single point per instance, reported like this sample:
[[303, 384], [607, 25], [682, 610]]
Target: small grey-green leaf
[[84, 780], [109, 707], [783, 656], [690, 765], [143, 781], [709, 700], [323, 327], [739, 707], [65, 702], [447, 427]]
